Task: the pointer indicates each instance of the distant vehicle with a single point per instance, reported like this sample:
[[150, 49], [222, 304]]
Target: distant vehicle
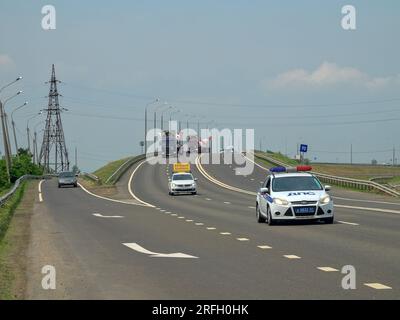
[[290, 194], [67, 178], [182, 182]]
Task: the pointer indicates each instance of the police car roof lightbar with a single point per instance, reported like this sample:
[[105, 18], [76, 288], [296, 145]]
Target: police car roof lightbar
[[290, 169]]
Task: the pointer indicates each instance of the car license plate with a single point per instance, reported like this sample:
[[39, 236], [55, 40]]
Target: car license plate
[[304, 210]]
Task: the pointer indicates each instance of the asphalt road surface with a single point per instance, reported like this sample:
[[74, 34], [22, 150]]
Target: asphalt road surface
[[209, 246]]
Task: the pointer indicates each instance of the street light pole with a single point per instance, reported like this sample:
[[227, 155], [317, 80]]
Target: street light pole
[[3, 126], [6, 124], [28, 131], [145, 123], [13, 125], [6, 155], [162, 117]]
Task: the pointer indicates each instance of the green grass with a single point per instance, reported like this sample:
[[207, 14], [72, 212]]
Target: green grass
[[6, 214], [106, 171], [279, 157]]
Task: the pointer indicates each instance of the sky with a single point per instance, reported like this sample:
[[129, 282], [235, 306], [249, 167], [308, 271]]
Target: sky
[[285, 68]]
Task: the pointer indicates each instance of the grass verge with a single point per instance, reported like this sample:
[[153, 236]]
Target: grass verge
[[106, 171], [7, 271]]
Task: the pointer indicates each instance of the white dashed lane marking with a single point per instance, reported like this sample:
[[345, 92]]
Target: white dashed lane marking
[[327, 269], [242, 239], [189, 220], [174, 215], [349, 223], [211, 228], [291, 256], [378, 286], [199, 223], [225, 233], [250, 207], [181, 217], [227, 202], [40, 197], [264, 247], [208, 199]]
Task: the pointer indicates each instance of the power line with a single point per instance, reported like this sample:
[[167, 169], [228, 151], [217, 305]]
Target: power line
[[240, 105]]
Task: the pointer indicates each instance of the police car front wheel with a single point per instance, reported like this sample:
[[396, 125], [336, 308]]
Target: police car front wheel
[[270, 221], [260, 218]]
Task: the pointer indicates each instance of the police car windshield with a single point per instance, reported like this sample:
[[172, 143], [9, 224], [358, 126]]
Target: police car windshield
[[186, 176], [295, 184]]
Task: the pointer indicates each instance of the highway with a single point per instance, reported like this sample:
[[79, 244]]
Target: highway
[[149, 245]]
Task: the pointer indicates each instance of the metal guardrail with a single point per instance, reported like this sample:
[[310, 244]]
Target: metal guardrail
[[123, 168], [117, 173], [91, 176], [341, 181], [16, 185]]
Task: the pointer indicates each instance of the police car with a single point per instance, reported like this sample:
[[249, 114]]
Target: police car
[[182, 181], [293, 194]]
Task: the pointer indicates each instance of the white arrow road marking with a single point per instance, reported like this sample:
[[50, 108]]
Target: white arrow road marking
[[138, 248], [101, 216]]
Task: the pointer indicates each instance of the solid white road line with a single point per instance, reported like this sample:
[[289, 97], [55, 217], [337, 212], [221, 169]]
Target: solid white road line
[[217, 182], [130, 186], [138, 248], [40, 197], [101, 216], [264, 247], [368, 201], [221, 184], [291, 256], [378, 286], [350, 223], [327, 269], [108, 199], [367, 209]]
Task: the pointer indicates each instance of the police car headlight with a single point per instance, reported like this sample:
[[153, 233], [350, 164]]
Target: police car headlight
[[325, 199], [281, 202]]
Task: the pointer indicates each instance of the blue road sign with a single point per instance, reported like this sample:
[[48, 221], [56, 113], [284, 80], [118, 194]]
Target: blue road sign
[[303, 148]]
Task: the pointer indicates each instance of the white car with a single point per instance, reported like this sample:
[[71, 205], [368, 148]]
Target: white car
[[293, 196], [182, 182]]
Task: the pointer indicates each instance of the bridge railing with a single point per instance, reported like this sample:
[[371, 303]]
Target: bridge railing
[[123, 168], [16, 185], [341, 181]]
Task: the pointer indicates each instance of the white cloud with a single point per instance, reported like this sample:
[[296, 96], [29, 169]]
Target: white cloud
[[329, 74], [5, 60]]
